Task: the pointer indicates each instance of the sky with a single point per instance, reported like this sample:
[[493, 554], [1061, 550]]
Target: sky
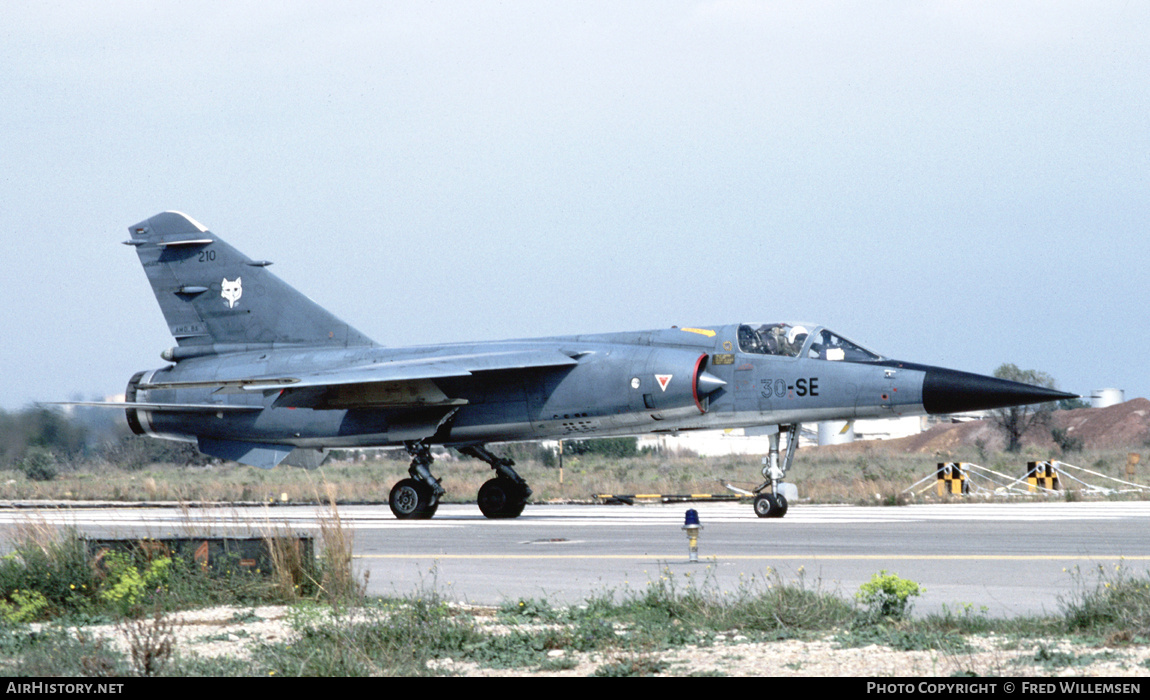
[[961, 184]]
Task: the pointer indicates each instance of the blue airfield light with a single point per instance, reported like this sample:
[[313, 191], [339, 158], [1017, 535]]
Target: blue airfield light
[[691, 526]]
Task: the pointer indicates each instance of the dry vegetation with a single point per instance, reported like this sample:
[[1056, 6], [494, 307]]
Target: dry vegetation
[[859, 473], [862, 472]]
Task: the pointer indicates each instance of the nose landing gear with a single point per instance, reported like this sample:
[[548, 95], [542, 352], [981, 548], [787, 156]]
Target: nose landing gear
[[774, 504]]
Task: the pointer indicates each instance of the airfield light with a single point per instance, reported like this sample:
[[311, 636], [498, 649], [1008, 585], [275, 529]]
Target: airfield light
[[691, 526]]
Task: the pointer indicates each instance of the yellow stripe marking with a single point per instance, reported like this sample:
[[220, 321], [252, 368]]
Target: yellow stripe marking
[[700, 331]]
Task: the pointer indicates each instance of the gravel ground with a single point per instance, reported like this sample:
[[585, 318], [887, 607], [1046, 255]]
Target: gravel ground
[[226, 631]]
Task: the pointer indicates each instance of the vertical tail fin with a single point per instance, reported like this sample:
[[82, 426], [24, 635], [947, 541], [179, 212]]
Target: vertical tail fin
[[212, 294]]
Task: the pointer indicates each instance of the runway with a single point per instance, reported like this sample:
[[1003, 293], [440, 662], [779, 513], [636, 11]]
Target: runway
[[1010, 559]]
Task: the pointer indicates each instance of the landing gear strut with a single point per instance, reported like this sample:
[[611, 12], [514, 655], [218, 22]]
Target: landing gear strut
[[416, 498], [774, 504], [506, 494]]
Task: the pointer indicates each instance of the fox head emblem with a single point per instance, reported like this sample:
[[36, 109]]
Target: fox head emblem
[[231, 291]]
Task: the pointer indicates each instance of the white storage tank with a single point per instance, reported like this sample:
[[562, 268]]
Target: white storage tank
[[1101, 398]]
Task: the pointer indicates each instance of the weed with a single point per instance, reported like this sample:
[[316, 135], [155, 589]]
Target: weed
[[633, 666], [55, 651], [965, 620], [902, 638], [887, 595], [339, 583], [240, 618], [217, 667], [768, 604], [895, 498], [558, 663], [292, 573], [126, 586], [1117, 601], [1053, 659], [150, 642], [47, 575], [396, 640], [25, 606], [517, 649], [529, 609]]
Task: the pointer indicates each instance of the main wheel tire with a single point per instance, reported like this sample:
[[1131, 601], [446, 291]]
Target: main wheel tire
[[501, 498], [412, 500]]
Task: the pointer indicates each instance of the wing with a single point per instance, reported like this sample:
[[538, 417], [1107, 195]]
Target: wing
[[382, 384]]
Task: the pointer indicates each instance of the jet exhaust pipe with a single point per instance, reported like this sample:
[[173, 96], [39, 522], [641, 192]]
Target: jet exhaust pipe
[[132, 414]]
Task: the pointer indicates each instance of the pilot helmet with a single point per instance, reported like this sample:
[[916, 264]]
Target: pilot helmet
[[797, 336]]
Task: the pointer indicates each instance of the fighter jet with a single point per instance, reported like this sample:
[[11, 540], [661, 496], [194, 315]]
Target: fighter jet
[[259, 370]]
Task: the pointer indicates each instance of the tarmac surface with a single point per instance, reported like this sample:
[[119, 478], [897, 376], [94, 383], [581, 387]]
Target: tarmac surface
[[1007, 558]]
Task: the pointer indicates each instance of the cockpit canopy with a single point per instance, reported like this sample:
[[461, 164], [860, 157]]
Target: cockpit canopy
[[789, 340]]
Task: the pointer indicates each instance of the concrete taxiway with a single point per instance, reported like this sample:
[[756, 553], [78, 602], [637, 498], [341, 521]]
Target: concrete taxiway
[[1010, 559]]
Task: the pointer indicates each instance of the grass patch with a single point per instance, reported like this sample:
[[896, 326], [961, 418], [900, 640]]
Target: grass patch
[[58, 651], [1114, 602], [903, 638], [385, 638], [408, 637], [1053, 660], [53, 574], [613, 634], [768, 605]]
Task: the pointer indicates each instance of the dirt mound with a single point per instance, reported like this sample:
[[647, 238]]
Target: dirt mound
[[1122, 425], [1125, 425]]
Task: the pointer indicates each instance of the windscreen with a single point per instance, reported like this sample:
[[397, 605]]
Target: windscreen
[[789, 340]]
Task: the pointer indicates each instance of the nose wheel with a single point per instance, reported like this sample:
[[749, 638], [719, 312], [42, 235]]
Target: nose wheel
[[770, 505], [774, 504]]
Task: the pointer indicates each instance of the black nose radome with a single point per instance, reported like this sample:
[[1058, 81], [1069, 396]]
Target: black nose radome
[[951, 391]]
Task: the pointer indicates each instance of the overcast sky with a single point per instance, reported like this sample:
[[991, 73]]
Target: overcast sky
[[955, 183]]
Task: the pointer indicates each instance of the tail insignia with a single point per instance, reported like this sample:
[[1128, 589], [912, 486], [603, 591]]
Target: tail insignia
[[231, 291]]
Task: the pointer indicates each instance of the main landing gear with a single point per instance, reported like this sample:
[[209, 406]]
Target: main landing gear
[[417, 498], [506, 494], [774, 504]]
